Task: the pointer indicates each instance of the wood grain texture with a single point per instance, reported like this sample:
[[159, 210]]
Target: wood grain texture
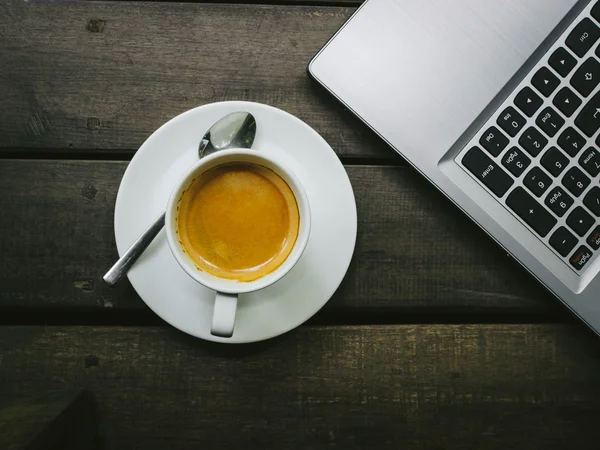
[[415, 252], [411, 387], [105, 75], [59, 420], [259, 2]]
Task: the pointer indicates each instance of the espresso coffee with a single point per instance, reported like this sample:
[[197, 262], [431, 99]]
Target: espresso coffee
[[238, 221]]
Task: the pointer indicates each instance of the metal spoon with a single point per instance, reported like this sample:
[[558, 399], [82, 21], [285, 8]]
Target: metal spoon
[[235, 130]]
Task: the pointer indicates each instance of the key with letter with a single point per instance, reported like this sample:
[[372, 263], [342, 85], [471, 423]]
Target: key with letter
[[493, 141], [559, 201], [590, 161], [550, 121], [515, 161], [583, 36], [487, 171], [580, 257], [511, 121]]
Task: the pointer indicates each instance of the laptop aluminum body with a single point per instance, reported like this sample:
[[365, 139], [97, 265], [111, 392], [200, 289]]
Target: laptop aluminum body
[[426, 74]]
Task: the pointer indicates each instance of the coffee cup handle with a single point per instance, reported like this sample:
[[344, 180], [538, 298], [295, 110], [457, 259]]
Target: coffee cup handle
[[223, 319]]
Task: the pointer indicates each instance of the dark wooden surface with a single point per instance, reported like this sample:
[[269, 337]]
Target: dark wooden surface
[[76, 83], [378, 387], [54, 420], [414, 251], [471, 356]]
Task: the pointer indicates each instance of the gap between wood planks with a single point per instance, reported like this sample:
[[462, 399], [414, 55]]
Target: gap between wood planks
[[55, 317], [126, 155], [337, 3]]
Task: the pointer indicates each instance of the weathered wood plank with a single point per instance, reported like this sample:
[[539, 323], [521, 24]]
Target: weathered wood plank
[[410, 387], [104, 75], [258, 2], [64, 420], [415, 252]]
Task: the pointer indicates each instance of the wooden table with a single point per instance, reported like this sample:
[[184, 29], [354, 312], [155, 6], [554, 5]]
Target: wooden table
[[436, 339]]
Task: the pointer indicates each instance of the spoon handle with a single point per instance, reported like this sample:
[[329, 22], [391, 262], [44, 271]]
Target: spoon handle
[[125, 262]]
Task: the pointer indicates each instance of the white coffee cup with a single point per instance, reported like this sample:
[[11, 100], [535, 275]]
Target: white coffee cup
[[227, 290]]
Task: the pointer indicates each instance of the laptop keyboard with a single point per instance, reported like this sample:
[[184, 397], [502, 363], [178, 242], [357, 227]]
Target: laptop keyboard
[[537, 154]]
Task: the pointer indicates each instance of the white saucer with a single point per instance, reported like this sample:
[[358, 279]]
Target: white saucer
[[185, 304]]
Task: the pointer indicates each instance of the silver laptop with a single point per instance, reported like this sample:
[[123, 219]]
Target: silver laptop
[[497, 103]]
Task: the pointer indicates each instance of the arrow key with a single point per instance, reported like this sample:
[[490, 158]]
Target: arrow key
[[562, 61], [528, 101], [587, 77], [567, 101], [545, 81]]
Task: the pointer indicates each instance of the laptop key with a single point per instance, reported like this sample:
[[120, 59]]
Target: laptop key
[[550, 121], [493, 141], [562, 61], [511, 121], [516, 161], [528, 209], [537, 181], [593, 240], [528, 101], [559, 201], [545, 81], [554, 161], [590, 161], [567, 101], [571, 141], [588, 119], [580, 221], [533, 141], [575, 181], [581, 256], [587, 77], [596, 11], [583, 36], [592, 200], [487, 171], [563, 241]]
